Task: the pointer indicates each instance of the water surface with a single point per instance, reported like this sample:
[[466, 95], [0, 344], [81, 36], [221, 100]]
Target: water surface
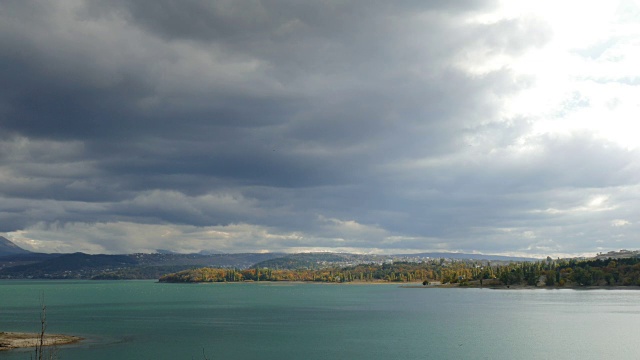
[[149, 320]]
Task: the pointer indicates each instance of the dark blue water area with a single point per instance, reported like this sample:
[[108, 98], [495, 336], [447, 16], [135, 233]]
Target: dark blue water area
[[149, 320]]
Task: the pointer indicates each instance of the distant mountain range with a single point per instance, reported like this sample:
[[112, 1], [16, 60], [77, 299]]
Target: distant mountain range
[[321, 260], [16, 262], [153, 266], [130, 266]]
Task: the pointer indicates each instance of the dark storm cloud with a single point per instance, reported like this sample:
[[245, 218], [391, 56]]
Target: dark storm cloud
[[333, 120], [76, 92]]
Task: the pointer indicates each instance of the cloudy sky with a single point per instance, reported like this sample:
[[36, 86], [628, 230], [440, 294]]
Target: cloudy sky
[[361, 126]]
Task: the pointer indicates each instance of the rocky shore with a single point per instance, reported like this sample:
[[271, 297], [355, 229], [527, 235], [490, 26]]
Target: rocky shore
[[14, 340]]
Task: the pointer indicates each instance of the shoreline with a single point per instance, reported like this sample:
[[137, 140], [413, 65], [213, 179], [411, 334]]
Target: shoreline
[[410, 285], [16, 340], [522, 287]]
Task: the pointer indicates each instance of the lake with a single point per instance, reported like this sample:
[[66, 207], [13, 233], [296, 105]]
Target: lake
[[235, 321]]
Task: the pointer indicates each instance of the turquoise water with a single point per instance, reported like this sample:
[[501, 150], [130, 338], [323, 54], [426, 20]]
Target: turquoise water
[[149, 320]]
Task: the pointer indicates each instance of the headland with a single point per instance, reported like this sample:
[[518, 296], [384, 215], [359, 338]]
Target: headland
[[15, 340]]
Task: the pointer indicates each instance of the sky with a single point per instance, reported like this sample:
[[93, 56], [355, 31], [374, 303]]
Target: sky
[[363, 126]]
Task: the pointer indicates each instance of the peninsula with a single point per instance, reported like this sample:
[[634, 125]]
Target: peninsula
[[14, 340], [603, 272]]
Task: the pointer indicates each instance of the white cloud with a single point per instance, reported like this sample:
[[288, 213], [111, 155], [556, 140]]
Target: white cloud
[[594, 204], [128, 237], [619, 222], [592, 55]]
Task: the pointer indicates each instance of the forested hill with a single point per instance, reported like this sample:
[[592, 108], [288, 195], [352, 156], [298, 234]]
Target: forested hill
[[324, 267], [132, 266], [561, 273], [77, 265], [152, 266]]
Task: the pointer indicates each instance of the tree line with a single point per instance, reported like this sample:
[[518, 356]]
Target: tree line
[[572, 272]]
